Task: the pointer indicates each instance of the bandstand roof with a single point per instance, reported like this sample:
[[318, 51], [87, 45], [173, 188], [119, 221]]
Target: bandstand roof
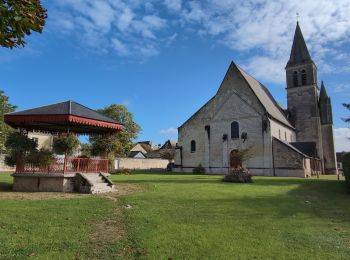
[[68, 116]]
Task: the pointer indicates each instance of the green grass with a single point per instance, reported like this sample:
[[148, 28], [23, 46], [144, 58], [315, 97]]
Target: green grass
[[186, 217]]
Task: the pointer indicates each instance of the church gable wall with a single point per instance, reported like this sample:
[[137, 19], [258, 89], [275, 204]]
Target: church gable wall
[[282, 132], [235, 101]]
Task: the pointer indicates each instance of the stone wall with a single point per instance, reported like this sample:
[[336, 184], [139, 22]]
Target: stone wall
[[3, 166], [303, 106], [289, 162], [44, 140], [140, 164], [37, 183], [235, 101], [282, 132], [329, 150]]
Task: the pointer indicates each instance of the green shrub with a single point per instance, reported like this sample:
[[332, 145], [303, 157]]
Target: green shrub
[[238, 176], [346, 168], [65, 144], [120, 172], [40, 158], [198, 170]]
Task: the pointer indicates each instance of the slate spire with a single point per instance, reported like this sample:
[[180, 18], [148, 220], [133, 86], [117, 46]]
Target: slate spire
[[323, 93], [299, 53], [325, 106]]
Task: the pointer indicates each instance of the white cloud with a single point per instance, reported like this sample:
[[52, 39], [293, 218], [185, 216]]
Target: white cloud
[[267, 27], [173, 5], [111, 25], [261, 29], [120, 47], [342, 141], [169, 131]]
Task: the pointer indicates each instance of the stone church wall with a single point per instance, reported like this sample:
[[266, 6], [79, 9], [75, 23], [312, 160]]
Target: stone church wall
[[288, 162], [234, 101], [282, 132]]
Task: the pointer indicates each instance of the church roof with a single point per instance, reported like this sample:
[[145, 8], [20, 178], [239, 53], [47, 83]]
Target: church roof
[[261, 92], [308, 148], [299, 53], [265, 98], [291, 146], [323, 93]]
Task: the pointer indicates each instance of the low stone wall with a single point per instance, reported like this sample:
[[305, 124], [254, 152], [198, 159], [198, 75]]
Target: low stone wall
[[43, 182], [140, 164]]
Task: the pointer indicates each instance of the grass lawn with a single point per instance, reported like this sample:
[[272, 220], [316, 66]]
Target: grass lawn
[[182, 217]]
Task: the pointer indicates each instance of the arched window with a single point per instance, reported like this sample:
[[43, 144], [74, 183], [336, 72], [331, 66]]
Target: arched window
[[193, 146], [295, 79], [303, 77], [234, 130]]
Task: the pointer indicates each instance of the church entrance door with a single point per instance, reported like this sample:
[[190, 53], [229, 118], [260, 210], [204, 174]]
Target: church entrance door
[[235, 161]]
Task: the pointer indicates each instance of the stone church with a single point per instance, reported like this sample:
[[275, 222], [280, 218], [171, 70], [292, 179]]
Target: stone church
[[297, 141]]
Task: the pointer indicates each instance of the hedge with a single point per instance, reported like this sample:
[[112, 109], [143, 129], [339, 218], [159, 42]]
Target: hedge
[[346, 168]]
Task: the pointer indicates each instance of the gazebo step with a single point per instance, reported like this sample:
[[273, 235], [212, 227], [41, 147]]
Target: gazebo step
[[98, 183]]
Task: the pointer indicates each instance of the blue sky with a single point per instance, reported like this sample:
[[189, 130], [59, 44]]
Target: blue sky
[[165, 59]]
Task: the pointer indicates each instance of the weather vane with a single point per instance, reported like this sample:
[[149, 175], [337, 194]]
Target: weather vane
[[297, 17]]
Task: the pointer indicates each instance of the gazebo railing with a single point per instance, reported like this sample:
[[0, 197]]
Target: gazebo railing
[[69, 165]]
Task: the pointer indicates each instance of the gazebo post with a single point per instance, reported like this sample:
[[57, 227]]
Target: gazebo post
[[65, 158]]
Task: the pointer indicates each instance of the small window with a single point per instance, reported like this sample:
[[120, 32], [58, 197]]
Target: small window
[[303, 77], [295, 79], [234, 130], [291, 138], [285, 136], [193, 146], [279, 133]]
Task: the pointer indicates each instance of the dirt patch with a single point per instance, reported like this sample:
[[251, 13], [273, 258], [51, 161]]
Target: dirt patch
[[107, 233], [12, 195], [6, 193]]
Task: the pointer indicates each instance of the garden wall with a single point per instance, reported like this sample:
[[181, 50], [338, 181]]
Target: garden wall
[[140, 164], [3, 166]]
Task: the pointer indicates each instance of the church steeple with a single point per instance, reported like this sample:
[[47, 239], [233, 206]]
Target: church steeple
[[325, 106], [300, 69], [299, 54], [323, 92]]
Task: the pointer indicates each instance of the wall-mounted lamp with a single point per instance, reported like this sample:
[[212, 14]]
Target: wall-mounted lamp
[[244, 136]]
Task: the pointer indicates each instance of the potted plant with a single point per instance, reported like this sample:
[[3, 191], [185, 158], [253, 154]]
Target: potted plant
[[237, 172]]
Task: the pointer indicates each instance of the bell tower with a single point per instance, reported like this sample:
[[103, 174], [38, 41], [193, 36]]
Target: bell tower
[[302, 94]]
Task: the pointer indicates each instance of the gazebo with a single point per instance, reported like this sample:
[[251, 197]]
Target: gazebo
[[70, 174]]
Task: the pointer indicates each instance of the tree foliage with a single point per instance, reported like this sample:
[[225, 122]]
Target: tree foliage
[[40, 158], [346, 168], [118, 144], [18, 146], [65, 144], [19, 18], [168, 154], [5, 107], [348, 107]]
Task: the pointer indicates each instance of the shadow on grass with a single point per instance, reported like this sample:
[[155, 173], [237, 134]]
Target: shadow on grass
[[5, 186]]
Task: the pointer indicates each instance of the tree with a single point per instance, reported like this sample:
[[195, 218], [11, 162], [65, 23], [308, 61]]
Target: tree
[[5, 130], [118, 144], [85, 149], [168, 154], [18, 146], [348, 118], [40, 158], [18, 19], [65, 144]]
